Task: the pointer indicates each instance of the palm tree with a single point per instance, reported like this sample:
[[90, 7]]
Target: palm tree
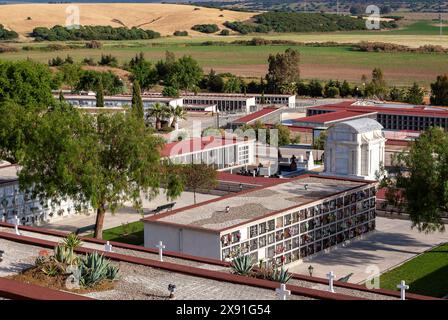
[[157, 111], [177, 113]]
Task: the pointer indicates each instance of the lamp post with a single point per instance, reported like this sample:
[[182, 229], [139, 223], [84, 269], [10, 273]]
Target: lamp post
[[310, 270]]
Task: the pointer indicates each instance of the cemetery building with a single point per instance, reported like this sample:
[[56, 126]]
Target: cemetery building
[[220, 152], [268, 115], [392, 116], [29, 210], [227, 103], [119, 101], [355, 148], [260, 99], [281, 222]]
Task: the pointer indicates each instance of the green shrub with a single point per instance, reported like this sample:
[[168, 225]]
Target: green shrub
[[7, 34], [178, 33], [205, 28], [60, 33], [301, 22]]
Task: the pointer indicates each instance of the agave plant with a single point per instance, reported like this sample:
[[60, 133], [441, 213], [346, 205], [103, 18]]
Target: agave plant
[[280, 275], [242, 265], [61, 254], [112, 272], [50, 269], [71, 242], [94, 268]]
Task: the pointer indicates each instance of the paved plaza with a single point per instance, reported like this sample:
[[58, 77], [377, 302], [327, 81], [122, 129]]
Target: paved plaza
[[390, 245], [125, 214]]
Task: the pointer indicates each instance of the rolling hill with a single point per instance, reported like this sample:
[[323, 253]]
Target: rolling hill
[[163, 18]]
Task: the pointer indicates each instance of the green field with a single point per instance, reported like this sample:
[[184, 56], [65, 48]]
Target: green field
[[251, 61], [426, 274]]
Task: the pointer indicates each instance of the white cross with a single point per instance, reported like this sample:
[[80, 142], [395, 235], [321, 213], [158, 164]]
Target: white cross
[[330, 277], [161, 246], [281, 292], [108, 247], [16, 225], [403, 287]]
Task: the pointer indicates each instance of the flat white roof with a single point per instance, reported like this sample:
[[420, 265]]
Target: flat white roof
[[256, 204], [8, 173]]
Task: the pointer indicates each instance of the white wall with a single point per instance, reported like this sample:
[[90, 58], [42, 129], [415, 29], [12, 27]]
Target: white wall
[[188, 241]]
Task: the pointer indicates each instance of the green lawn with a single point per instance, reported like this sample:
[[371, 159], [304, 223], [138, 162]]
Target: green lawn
[[426, 274], [132, 234]]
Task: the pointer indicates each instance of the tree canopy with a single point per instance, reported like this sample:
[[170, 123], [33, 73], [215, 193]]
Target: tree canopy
[[27, 83], [102, 161], [417, 180], [185, 73], [439, 91], [283, 70]]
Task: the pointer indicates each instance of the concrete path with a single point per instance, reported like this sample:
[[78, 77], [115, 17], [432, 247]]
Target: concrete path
[[126, 214], [393, 243]]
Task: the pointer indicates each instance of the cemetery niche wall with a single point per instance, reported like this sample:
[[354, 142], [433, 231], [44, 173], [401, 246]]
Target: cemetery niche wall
[[279, 224]]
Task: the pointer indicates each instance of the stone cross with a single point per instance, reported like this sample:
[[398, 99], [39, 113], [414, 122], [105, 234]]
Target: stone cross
[[330, 277], [161, 246], [282, 293], [16, 225], [403, 287], [108, 247]]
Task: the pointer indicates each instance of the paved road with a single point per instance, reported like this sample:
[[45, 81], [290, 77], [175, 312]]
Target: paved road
[[393, 243]]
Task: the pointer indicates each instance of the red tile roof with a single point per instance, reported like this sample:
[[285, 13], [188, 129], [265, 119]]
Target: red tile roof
[[333, 116], [256, 115], [411, 110], [195, 145]]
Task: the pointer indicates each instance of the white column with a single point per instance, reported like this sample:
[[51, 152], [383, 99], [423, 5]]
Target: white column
[[358, 157]]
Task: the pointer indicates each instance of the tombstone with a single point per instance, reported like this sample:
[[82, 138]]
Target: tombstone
[[108, 247], [310, 161], [161, 246], [16, 225], [403, 287], [282, 293], [330, 277]]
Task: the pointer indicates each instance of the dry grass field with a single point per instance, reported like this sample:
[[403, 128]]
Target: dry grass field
[[163, 18]]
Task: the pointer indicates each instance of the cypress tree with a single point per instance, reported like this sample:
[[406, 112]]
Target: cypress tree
[[137, 102], [100, 95]]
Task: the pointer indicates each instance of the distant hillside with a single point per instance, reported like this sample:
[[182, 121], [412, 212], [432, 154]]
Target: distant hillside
[[387, 6], [162, 18]]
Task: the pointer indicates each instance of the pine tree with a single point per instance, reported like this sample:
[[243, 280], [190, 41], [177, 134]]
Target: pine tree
[[137, 102]]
